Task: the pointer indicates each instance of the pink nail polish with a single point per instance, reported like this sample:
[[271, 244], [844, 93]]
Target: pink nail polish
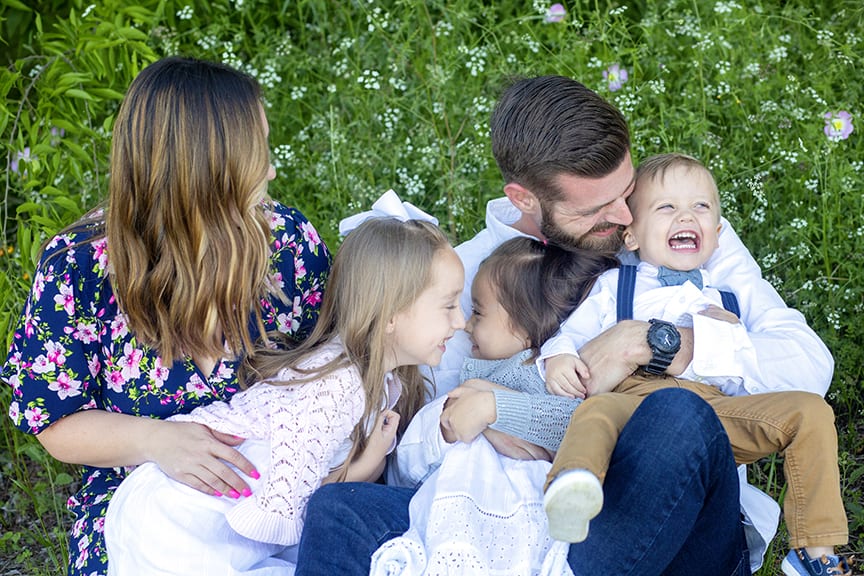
[[247, 492], [254, 474], [234, 494], [217, 494]]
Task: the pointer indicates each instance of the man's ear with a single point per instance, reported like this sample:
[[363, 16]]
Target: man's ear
[[522, 198], [630, 241]]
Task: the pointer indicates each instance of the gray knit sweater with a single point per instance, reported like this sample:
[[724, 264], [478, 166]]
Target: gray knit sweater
[[526, 410]]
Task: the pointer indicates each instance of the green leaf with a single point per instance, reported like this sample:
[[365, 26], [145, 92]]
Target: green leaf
[[132, 34], [76, 93], [63, 479]]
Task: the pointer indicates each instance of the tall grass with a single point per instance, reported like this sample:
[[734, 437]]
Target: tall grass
[[364, 96]]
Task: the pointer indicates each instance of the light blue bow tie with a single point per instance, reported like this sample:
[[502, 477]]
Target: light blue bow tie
[[668, 277]]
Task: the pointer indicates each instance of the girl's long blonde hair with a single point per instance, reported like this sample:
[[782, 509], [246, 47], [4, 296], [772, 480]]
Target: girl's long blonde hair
[[379, 271], [187, 236]]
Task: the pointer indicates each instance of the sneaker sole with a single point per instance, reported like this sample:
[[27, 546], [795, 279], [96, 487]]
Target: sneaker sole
[[787, 568], [570, 503]]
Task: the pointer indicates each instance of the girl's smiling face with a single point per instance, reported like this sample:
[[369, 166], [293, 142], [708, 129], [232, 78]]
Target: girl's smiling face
[[493, 335], [418, 334]]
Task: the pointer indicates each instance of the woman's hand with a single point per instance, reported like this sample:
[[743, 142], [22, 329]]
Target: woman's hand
[[189, 453], [197, 456]]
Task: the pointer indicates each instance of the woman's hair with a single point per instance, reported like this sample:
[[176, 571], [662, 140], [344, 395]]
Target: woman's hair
[[540, 284], [379, 271], [187, 235]]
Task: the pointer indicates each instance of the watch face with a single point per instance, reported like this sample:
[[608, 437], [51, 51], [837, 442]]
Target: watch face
[[665, 338]]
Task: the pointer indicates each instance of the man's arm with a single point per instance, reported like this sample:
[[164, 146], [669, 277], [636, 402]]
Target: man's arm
[[615, 354], [779, 334]]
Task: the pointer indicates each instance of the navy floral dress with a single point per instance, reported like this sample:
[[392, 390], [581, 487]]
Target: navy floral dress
[[72, 350]]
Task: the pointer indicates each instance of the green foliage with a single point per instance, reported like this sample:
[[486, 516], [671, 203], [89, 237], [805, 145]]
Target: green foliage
[[365, 96]]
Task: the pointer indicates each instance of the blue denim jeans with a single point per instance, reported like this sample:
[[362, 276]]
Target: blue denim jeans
[[671, 504]]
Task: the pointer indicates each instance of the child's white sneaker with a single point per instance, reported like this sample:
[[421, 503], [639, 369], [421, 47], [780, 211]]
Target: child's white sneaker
[[571, 501]]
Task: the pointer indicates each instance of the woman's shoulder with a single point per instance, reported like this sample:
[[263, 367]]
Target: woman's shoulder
[[81, 248], [291, 229]]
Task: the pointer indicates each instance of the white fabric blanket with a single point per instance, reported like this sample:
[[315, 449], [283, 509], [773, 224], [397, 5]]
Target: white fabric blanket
[[478, 514]]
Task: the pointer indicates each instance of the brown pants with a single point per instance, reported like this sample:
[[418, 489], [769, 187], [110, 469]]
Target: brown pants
[[801, 424]]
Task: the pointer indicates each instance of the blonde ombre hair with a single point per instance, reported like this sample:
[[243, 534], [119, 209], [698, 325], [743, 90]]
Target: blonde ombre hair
[[379, 271], [187, 236]]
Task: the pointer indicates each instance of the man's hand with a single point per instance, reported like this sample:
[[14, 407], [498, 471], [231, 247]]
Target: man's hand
[[467, 413], [565, 374]]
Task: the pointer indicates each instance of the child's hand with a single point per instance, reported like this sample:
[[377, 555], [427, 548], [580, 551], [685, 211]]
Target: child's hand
[[467, 413], [718, 313], [383, 435], [369, 465], [564, 375]]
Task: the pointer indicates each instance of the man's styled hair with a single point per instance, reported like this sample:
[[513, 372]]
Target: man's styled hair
[[550, 125], [187, 236], [540, 284], [380, 270]]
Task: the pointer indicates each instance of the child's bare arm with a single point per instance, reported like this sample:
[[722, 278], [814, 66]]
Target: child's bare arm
[[564, 375]]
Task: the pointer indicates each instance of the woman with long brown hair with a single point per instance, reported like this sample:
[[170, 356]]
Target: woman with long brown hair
[[145, 308]]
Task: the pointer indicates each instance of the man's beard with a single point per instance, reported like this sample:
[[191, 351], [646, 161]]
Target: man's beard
[[611, 243]]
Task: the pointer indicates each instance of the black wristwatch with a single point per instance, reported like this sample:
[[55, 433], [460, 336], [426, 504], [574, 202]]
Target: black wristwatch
[[664, 341]]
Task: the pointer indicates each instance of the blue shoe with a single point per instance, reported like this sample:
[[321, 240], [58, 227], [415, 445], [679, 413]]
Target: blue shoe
[[799, 563]]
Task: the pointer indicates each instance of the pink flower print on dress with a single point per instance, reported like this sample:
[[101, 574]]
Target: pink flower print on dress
[[14, 412], [313, 297], [118, 327], [35, 417], [616, 76], [41, 365], [310, 234], [56, 353], [100, 254], [196, 386], [838, 125], [114, 379], [158, 374], [276, 220], [130, 362], [85, 333], [65, 299], [65, 386], [287, 324], [299, 268], [94, 365], [30, 322], [224, 372]]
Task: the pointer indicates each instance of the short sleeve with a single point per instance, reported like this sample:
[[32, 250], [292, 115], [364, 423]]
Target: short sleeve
[[299, 267], [53, 360]]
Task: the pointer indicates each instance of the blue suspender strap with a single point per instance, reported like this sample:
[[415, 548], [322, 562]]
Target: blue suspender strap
[[626, 288], [730, 302]]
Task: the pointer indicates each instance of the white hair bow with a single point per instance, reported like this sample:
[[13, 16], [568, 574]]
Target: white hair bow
[[387, 206]]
